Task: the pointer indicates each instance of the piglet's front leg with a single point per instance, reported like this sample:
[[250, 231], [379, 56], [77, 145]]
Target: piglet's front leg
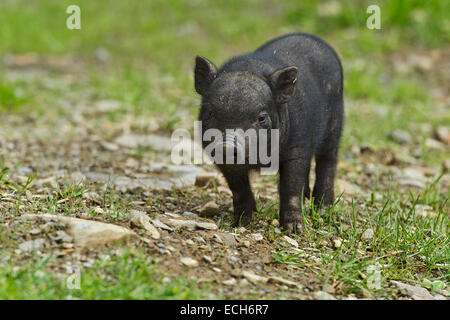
[[293, 187], [243, 199]]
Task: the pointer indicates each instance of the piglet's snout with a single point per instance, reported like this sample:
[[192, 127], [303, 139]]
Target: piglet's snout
[[232, 145]]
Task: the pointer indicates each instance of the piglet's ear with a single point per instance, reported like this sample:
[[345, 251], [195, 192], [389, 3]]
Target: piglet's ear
[[283, 82], [205, 73]]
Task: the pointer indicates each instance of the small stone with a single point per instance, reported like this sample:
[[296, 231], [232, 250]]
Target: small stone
[[186, 224], [109, 146], [241, 230], [411, 177], [275, 223], [257, 236], [267, 259], [291, 241], [32, 245], [228, 238], [443, 134], [98, 210], [322, 295], [102, 54], [190, 215], [283, 281], [87, 233], [166, 280], [62, 236], [230, 282], [415, 292], [433, 144], [217, 270], [253, 278], [142, 220], [207, 225], [210, 209], [207, 259], [200, 239], [160, 225], [337, 243], [225, 190], [34, 231], [246, 243], [367, 235], [348, 188], [172, 215], [424, 211], [244, 282], [218, 239], [189, 262], [29, 195], [444, 292], [400, 137]]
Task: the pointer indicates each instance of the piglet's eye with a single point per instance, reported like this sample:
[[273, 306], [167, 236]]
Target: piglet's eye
[[262, 118]]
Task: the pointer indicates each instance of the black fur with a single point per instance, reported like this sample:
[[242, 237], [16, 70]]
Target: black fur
[[297, 80]]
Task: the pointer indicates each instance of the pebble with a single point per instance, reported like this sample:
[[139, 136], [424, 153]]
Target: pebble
[[161, 225], [253, 278], [283, 281], [291, 241], [210, 209], [446, 165], [424, 211], [433, 144], [32, 245], [246, 243], [187, 224], [203, 178], [230, 282], [34, 231], [228, 238], [190, 215], [257, 236], [218, 239], [87, 233], [207, 259], [189, 262], [62, 236], [99, 210], [241, 230], [400, 137], [244, 282], [367, 235], [142, 220], [443, 134], [322, 295], [415, 292], [200, 239], [411, 177], [337, 243]]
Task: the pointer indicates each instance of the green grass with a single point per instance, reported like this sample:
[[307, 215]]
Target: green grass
[[12, 98], [130, 275], [405, 246]]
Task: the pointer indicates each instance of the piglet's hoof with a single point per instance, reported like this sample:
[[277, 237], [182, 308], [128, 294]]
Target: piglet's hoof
[[294, 227], [242, 221]]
